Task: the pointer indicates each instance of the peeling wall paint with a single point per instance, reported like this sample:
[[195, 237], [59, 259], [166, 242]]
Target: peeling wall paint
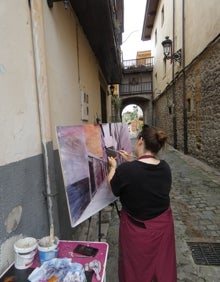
[[13, 219], [23, 212]]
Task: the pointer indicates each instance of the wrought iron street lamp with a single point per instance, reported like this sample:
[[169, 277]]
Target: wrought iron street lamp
[[168, 51], [112, 89]]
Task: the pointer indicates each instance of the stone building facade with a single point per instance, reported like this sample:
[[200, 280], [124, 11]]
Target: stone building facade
[[186, 74], [198, 129]]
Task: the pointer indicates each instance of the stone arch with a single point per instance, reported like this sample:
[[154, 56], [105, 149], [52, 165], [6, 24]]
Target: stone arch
[[144, 103]]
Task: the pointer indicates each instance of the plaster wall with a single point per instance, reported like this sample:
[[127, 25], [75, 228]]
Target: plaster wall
[[202, 25], [162, 70], [19, 122], [70, 67], [23, 206], [21, 163]]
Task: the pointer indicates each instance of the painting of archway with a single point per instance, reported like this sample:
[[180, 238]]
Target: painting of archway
[[83, 151]]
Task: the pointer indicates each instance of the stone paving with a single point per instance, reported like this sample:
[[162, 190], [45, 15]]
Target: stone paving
[[195, 200]]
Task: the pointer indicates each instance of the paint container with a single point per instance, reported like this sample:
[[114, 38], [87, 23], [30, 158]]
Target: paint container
[[25, 250], [47, 250]]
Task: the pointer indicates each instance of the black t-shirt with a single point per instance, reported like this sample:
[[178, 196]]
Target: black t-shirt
[[143, 188]]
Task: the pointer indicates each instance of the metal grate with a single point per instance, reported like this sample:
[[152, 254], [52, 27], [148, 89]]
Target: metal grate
[[205, 253]]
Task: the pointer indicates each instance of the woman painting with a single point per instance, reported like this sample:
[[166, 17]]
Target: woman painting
[[146, 233]]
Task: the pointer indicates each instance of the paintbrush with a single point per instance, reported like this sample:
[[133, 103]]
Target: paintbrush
[[113, 153]]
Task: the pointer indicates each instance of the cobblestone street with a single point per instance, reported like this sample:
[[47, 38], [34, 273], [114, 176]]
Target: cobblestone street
[[195, 202]]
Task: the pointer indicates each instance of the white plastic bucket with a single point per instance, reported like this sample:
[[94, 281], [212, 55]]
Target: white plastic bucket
[[47, 250], [25, 250]]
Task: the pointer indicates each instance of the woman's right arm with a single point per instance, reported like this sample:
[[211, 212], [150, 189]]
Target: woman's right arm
[[112, 167]]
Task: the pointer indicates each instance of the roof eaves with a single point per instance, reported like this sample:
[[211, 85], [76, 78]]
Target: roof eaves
[[149, 17]]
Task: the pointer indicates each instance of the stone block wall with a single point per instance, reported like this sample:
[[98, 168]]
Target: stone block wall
[[202, 105], [163, 117]]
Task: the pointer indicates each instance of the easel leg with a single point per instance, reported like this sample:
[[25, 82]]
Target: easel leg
[[88, 228], [100, 225], [100, 234], [117, 209]]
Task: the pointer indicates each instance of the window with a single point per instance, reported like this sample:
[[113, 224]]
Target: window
[[155, 76], [188, 105], [162, 16], [170, 109]]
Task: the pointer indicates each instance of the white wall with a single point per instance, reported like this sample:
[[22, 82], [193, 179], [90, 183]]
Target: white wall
[[72, 68], [202, 25], [68, 66], [69, 70], [19, 124]]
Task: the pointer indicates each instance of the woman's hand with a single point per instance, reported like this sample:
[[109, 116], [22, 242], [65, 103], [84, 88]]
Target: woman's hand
[[112, 167], [112, 162], [126, 156]]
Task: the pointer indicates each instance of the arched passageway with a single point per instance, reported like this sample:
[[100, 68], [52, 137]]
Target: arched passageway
[[132, 115], [144, 103]]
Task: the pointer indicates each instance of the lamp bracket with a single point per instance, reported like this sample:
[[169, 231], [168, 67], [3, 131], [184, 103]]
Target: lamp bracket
[[168, 54], [177, 56]]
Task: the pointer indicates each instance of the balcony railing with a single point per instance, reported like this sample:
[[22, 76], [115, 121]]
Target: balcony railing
[[132, 89], [142, 64]]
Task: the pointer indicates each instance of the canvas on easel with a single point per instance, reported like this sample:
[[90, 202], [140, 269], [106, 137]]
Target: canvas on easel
[[83, 151]]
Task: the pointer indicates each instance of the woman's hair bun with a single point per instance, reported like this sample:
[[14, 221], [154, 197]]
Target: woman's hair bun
[[161, 136]]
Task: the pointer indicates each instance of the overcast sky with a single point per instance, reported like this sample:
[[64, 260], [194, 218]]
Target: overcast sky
[[133, 24]]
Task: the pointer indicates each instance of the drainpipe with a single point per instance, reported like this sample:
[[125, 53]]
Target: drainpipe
[[173, 93], [185, 129], [43, 103]]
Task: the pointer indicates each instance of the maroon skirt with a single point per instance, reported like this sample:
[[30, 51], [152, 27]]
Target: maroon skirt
[[147, 249]]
